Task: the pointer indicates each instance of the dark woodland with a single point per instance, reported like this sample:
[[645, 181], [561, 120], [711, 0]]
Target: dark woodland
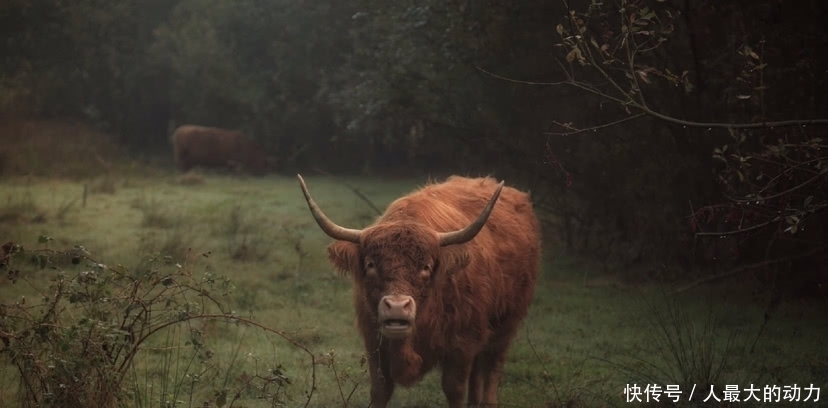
[[635, 124]]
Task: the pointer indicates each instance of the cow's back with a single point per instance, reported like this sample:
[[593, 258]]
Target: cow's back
[[204, 146]]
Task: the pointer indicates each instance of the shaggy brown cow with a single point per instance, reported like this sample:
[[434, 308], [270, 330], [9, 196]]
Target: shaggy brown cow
[[441, 278], [214, 147]]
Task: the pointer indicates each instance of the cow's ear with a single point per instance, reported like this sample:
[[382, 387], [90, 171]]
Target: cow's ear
[[452, 258], [345, 256]]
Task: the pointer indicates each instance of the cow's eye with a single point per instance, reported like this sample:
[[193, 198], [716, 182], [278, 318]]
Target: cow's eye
[[425, 272], [370, 267]]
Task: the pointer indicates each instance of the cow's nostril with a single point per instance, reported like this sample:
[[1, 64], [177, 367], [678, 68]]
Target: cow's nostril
[[401, 303]]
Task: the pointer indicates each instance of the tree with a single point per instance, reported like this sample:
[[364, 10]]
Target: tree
[[771, 171]]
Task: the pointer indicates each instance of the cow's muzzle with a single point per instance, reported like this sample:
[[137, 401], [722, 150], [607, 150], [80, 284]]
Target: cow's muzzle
[[396, 316]]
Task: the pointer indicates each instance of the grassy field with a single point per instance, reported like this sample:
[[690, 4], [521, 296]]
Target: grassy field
[[585, 339]]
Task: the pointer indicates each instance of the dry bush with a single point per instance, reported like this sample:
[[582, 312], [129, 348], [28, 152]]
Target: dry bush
[[91, 340], [53, 148], [103, 185], [244, 241], [190, 178], [21, 210]]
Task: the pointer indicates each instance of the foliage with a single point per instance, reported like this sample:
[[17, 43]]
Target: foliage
[[258, 63], [80, 345], [40, 148], [774, 179], [83, 59], [630, 177], [415, 88], [772, 175], [634, 96]]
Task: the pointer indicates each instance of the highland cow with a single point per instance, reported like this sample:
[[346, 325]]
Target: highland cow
[[213, 147], [443, 278]]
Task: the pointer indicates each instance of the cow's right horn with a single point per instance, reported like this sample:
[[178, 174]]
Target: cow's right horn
[[329, 227], [466, 234]]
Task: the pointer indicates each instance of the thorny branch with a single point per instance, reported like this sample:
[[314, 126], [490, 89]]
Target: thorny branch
[[142, 304]]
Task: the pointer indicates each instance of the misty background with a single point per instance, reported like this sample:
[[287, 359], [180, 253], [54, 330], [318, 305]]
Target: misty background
[[639, 127]]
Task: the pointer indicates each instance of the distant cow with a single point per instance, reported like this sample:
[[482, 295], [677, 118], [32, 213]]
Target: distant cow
[[214, 147], [444, 277]]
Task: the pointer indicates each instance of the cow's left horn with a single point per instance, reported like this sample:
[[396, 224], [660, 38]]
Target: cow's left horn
[[329, 227], [466, 234]]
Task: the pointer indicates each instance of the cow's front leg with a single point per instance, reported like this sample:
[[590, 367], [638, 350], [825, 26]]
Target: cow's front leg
[[485, 378], [455, 378], [382, 386]]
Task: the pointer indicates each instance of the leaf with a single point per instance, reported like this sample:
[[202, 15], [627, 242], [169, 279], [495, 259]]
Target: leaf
[[643, 76], [574, 54], [743, 96], [748, 52], [560, 29], [807, 201]]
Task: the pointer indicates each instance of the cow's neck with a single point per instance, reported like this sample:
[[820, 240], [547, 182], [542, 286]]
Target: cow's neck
[[405, 362]]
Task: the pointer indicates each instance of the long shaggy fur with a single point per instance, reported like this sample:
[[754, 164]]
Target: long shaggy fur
[[477, 295]]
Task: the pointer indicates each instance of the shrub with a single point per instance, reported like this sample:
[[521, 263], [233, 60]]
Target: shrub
[[79, 345]]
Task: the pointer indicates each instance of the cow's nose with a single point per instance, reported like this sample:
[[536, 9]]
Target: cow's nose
[[396, 303]]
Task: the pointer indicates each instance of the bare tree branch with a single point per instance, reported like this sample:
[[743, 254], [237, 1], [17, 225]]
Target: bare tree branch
[[745, 268], [592, 128], [648, 111]]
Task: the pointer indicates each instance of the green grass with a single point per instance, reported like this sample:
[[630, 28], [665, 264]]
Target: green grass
[[580, 345]]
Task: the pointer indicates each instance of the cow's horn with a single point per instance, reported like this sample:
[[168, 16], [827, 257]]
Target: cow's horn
[[328, 226], [466, 234]]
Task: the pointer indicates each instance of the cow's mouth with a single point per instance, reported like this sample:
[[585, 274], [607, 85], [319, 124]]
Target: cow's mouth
[[395, 328]]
